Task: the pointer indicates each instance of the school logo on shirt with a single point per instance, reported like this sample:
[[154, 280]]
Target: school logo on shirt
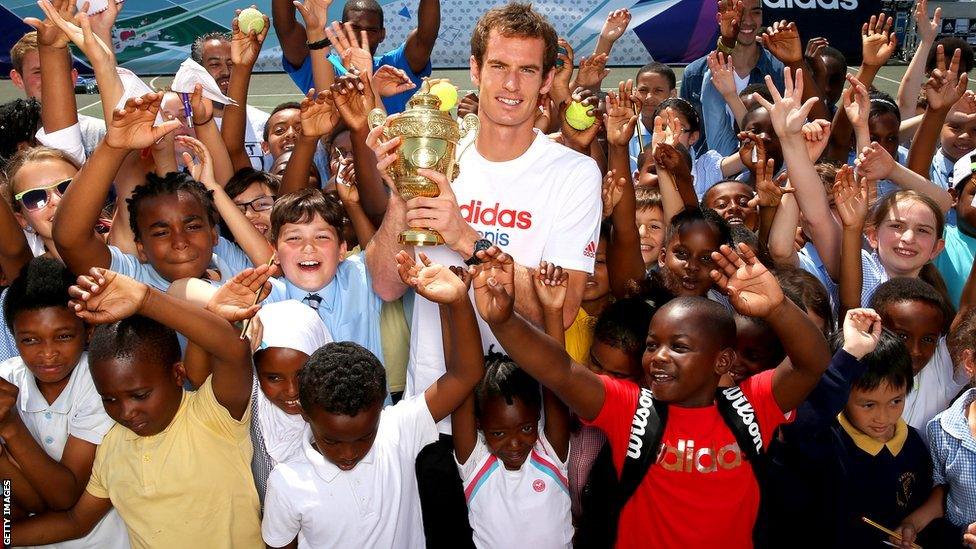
[[539, 485], [590, 250], [495, 219]]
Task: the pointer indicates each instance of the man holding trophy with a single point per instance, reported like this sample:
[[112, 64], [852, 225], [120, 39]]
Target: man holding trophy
[[536, 199]]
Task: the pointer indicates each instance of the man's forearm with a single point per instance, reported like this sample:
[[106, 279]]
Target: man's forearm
[[383, 247], [372, 192]]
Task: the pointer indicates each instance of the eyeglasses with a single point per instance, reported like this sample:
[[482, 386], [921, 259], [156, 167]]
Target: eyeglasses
[[259, 204], [37, 198]]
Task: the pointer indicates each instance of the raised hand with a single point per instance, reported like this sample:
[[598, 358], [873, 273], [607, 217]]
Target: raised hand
[[877, 40], [103, 296], [201, 107], [79, 31], [720, 66], [560, 89], [592, 71], [857, 104], [550, 282], [346, 186], [613, 191], [353, 97], [783, 41], [862, 332], [580, 139], [752, 289], [815, 46], [851, 197], [390, 81], [469, 104], [201, 168], [48, 31], [132, 126], [620, 119], [816, 135], [494, 285], [431, 280], [315, 13], [318, 114], [874, 162], [353, 50], [244, 48], [945, 86], [103, 21], [667, 128], [235, 299], [927, 29], [670, 159], [752, 151], [386, 152], [615, 25], [769, 192], [788, 111], [729, 16]]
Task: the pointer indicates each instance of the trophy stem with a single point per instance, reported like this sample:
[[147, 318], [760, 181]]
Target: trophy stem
[[421, 237]]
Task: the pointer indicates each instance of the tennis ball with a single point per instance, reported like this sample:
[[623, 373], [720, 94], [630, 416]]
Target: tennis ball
[[447, 93], [577, 117], [249, 20]]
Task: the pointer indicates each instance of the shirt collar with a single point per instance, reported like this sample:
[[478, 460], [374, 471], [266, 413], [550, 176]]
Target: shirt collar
[[329, 293], [325, 469], [953, 420], [184, 404], [35, 402], [764, 64], [871, 445]]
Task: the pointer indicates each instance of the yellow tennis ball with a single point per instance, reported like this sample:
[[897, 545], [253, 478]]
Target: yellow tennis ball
[[249, 20], [577, 118], [447, 93]]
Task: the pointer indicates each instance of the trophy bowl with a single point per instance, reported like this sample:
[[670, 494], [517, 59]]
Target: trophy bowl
[[428, 139]]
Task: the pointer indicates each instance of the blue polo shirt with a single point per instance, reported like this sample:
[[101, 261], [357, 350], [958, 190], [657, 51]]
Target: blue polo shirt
[[956, 260], [302, 76]]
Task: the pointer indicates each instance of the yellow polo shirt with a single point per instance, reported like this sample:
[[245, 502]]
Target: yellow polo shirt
[[579, 337], [188, 486]]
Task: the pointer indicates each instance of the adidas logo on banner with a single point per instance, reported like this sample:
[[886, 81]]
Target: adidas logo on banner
[[849, 5]]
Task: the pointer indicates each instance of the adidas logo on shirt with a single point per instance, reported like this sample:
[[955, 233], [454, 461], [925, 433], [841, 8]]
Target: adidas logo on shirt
[[590, 250]]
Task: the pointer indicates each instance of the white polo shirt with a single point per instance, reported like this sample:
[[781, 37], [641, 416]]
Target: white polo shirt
[[525, 508], [77, 412], [376, 504], [544, 204]]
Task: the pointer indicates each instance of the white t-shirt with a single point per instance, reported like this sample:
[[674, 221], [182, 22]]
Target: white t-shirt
[[376, 504], [77, 412], [253, 136], [934, 388], [544, 204], [525, 508]]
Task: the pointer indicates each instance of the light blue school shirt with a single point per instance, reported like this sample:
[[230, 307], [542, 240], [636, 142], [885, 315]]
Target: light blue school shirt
[[810, 261], [885, 186], [956, 260], [8, 347], [228, 260], [349, 308], [953, 450], [941, 170], [302, 76], [706, 169]]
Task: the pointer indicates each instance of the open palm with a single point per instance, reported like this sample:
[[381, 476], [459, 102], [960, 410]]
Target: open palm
[[318, 114], [752, 289], [620, 118], [494, 286], [132, 126], [850, 197], [234, 300], [438, 284]]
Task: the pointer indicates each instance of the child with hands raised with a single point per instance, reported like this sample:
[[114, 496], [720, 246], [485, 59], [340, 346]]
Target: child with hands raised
[[682, 368]]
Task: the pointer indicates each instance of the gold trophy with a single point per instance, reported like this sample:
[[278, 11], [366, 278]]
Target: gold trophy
[[428, 139]]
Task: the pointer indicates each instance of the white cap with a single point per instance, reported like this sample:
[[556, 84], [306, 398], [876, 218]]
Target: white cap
[[293, 325], [963, 168]]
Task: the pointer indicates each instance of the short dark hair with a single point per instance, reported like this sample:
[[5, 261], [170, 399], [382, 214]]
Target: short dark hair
[[341, 378], [807, 292], [758, 88], [196, 48], [42, 283], [901, 289], [365, 6], [888, 362], [655, 67], [835, 54], [623, 325], [282, 107], [19, 120], [950, 44], [719, 322], [245, 177], [169, 184], [882, 103], [515, 20], [503, 378], [135, 336], [302, 206], [693, 216], [684, 108]]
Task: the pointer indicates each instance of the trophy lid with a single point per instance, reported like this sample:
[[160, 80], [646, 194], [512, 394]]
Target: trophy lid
[[423, 118]]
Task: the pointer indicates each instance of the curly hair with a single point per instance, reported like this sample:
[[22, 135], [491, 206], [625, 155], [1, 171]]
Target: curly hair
[[135, 336], [171, 184], [693, 216], [42, 283], [623, 325], [503, 378], [19, 120], [196, 48], [342, 378], [902, 289]]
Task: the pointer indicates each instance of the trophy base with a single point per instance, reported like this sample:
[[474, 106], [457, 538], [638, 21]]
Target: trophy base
[[421, 237]]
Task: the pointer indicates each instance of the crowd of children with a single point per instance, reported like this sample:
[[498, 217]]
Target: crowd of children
[[738, 314]]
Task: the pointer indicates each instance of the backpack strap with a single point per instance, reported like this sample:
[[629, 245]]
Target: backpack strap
[[741, 419], [646, 431]]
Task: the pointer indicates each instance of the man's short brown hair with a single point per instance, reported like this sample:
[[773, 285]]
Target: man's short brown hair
[[515, 20], [302, 207], [22, 47]]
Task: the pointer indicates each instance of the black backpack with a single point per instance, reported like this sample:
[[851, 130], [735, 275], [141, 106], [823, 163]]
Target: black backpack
[[605, 494]]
